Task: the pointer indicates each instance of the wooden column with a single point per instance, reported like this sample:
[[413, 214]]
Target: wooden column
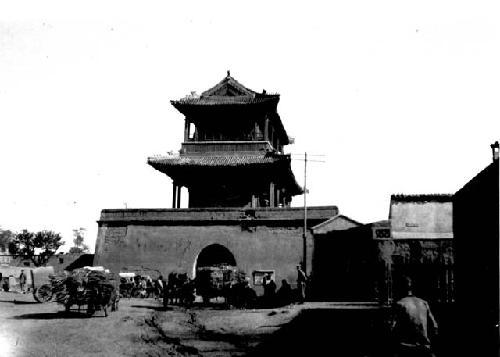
[[179, 196], [266, 129], [174, 194], [278, 197], [257, 132], [186, 130], [271, 195]]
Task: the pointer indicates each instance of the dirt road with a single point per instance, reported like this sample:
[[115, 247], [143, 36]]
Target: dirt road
[[140, 328]]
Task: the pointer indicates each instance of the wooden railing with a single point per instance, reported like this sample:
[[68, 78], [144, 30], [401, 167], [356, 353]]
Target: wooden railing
[[225, 146]]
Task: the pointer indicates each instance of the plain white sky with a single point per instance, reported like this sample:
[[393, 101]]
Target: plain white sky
[[401, 97]]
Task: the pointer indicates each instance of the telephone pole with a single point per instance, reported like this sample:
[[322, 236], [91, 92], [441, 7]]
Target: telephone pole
[[304, 233]]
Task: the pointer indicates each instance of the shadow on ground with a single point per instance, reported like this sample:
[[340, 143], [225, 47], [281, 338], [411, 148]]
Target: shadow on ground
[[151, 307], [20, 302], [59, 315], [52, 316], [345, 333], [342, 333]]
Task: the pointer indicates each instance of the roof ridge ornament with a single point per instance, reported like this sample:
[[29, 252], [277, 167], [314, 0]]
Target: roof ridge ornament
[[228, 73], [495, 150]]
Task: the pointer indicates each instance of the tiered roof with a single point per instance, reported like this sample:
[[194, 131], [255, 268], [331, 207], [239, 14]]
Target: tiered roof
[[227, 92], [215, 160], [231, 95], [170, 164]]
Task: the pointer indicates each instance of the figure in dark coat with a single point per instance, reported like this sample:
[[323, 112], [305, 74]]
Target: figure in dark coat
[[269, 290], [301, 284], [413, 326], [22, 282], [285, 293]]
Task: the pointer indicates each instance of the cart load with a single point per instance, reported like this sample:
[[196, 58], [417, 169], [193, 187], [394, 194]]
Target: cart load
[[218, 281], [96, 289]]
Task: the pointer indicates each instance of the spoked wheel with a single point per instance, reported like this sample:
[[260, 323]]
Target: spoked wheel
[[43, 293]]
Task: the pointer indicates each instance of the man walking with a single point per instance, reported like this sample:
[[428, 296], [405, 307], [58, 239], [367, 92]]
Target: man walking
[[301, 284], [22, 282], [413, 326]]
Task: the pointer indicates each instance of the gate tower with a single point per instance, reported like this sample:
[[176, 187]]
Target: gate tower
[[232, 154]]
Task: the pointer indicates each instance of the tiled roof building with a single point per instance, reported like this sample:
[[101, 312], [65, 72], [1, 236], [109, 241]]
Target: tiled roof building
[[240, 185], [232, 154]]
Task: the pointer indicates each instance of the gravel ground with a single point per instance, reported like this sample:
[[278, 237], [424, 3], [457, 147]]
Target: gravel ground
[[140, 328]]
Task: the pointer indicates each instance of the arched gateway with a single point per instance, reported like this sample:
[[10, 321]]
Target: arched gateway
[[240, 182], [214, 254]]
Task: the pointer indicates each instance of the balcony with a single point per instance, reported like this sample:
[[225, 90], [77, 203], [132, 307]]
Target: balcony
[[217, 147]]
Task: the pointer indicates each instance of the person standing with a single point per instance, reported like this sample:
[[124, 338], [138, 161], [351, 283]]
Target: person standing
[[301, 284], [22, 282], [269, 290], [284, 293], [413, 326], [159, 287]]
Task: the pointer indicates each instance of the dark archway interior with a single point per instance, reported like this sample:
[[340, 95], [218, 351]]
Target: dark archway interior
[[215, 254]]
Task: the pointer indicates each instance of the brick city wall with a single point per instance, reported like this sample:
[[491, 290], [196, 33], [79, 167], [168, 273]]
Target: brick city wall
[[170, 240]]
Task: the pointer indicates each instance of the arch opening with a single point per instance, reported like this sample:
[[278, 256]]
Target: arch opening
[[215, 255]]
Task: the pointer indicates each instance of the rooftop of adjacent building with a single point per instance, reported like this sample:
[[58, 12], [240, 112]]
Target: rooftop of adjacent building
[[486, 179], [421, 198]]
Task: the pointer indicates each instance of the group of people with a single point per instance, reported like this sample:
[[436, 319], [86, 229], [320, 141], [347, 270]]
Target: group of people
[[5, 282], [285, 295], [141, 287], [178, 289], [22, 282], [412, 323]]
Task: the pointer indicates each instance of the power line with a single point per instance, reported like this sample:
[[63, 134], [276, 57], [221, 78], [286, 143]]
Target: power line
[[308, 154], [310, 160], [304, 234]]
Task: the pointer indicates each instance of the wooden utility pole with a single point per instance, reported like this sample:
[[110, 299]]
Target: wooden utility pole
[[304, 235]]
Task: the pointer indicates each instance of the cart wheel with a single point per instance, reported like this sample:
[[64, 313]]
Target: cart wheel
[[43, 293]]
